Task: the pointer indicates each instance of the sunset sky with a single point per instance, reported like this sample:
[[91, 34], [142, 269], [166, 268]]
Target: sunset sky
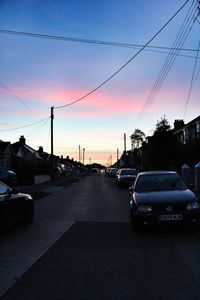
[[38, 72]]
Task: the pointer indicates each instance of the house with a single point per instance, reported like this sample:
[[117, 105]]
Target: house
[[23, 151], [129, 159], [188, 133], [24, 159], [6, 155], [44, 155]]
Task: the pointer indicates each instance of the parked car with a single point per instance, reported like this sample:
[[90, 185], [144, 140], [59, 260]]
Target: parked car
[[14, 207], [162, 197], [7, 176], [94, 170], [126, 177], [111, 172], [61, 169]]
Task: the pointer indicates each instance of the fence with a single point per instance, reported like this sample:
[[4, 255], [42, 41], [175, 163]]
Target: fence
[[191, 176]]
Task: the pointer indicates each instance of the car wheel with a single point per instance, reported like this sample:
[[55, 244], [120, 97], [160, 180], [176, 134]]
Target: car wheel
[[197, 223], [136, 224], [28, 214]]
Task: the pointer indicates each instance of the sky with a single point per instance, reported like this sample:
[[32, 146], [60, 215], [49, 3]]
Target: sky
[[132, 85]]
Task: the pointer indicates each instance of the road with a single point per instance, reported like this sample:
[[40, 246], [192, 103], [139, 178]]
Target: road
[[81, 246]]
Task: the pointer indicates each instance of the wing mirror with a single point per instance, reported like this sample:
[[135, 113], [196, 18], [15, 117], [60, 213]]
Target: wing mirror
[[131, 189], [191, 186], [15, 190]]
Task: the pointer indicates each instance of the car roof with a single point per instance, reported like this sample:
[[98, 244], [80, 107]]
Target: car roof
[[127, 169], [159, 172]]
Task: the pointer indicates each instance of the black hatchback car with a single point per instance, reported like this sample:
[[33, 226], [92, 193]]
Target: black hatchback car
[[9, 177], [125, 177], [15, 207], [162, 197]]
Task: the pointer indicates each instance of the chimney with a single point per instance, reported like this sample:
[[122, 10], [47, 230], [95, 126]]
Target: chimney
[[22, 140], [178, 124], [40, 150]]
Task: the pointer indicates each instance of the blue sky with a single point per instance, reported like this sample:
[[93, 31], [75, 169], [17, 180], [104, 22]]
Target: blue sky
[[39, 73]]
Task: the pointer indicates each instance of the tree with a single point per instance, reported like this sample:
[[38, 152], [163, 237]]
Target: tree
[[163, 148], [137, 137], [162, 126]]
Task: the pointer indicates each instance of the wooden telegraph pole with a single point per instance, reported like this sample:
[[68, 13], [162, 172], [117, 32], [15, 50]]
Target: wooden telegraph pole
[[52, 117], [117, 157], [124, 142], [83, 155]]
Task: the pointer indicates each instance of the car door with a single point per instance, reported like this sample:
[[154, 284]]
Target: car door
[[4, 205]]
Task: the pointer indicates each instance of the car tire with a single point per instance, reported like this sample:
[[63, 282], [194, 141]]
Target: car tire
[[135, 223], [28, 213], [197, 223]]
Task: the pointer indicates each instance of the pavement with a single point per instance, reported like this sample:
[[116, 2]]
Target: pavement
[[57, 184]]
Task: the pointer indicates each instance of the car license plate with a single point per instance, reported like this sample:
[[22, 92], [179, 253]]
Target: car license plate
[[170, 217]]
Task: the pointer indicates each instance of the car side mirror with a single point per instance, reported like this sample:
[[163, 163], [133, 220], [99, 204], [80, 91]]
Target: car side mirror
[[191, 186], [15, 190], [131, 189]]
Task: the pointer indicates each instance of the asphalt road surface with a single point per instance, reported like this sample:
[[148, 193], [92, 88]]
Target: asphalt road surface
[[81, 246]]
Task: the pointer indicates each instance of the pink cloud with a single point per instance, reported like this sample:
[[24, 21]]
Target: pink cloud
[[96, 105], [6, 124], [172, 99]]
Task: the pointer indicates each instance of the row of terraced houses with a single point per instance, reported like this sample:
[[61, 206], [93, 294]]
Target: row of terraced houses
[[187, 133]]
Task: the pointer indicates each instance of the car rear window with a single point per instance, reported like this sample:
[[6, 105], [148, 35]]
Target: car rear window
[[128, 172]]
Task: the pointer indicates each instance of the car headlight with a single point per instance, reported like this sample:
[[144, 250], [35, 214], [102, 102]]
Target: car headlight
[[144, 208], [193, 205]]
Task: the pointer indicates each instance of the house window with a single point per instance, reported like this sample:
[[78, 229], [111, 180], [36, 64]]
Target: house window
[[186, 135], [198, 130]]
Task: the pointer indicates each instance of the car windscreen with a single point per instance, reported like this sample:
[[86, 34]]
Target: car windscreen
[[128, 172], [159, 182]]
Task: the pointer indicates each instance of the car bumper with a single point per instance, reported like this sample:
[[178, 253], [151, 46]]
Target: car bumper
[[125, 183], [168, 218]]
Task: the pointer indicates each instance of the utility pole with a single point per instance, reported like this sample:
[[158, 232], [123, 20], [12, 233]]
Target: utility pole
[[117, 156], [79, 151], [83, 155], [124, 142], [52, 117]]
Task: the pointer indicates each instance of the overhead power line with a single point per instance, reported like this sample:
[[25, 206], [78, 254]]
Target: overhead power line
[[16, 97], [21, 101], [178, 43], [191, 83], [25, 126], [38, 129], [89, 41], [123, 66]]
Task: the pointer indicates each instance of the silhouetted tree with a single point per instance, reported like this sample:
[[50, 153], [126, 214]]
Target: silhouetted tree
[[162, 126], [163, 149], [137, 137]]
